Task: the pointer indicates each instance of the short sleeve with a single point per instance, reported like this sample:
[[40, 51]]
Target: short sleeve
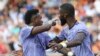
[[25, 32], [82, 30], [81, 27]]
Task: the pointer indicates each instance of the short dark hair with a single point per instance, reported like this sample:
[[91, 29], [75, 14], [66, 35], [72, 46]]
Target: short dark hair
[[28, 15], [69, 8]]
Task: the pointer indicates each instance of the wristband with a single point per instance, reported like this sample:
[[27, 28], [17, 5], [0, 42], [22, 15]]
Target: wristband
[[64, 43]]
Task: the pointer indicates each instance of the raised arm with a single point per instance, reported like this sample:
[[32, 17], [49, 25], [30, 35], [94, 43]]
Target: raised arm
[[43, 28]]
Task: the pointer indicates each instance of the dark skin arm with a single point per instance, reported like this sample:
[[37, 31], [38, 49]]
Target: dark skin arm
[[56, 40], [43, 28], [39, 29], [77, 41], [64, 51]]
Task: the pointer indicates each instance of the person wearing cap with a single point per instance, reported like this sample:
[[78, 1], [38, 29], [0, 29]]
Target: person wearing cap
[[33, 38]]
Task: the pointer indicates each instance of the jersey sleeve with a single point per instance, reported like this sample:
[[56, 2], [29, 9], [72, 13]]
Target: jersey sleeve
[[25, 32], [82, 30]]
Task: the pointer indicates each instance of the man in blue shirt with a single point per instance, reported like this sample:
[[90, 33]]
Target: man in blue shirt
[[33, 38], [76, 35]]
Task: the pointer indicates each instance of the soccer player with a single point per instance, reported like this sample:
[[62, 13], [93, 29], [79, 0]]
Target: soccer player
[[75, 33], [32, 36]]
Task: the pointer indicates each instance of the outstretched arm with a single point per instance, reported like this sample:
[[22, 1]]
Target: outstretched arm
[[77, 41], [43, 28]]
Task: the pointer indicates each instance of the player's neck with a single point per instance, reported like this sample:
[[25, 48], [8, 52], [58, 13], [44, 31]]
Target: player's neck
[[71, 23]]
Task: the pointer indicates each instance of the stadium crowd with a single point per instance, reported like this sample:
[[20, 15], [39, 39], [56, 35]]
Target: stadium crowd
[[12, 12]]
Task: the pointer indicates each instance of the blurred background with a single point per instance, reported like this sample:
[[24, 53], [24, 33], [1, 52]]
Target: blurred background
[[12, 12]]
